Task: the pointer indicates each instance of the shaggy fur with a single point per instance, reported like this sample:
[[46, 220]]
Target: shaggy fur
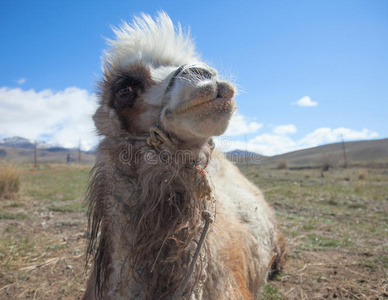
[[145, 206], [154, 42]]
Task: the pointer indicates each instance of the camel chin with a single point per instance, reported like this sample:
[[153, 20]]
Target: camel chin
[[202, 122], [200, 103]]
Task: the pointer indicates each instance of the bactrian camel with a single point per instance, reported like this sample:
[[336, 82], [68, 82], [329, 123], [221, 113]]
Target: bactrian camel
[[169, 216]]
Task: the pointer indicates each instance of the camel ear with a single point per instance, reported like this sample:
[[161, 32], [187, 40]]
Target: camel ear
[[125, 92]]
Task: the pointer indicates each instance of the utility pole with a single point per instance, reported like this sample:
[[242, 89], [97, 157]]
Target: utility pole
[[79, 152], [343, 148], [246, 150], [35, 156]]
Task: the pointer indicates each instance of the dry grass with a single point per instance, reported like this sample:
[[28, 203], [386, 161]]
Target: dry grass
[[335, 226], [362, 175], [42, 235], [336, 230], [9, 181]]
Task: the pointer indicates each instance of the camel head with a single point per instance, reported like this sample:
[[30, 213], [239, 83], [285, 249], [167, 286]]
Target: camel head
[[153, 77]]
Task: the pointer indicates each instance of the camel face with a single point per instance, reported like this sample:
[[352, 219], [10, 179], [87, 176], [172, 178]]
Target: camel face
[[191, 101], [153, 77], [199, 104]]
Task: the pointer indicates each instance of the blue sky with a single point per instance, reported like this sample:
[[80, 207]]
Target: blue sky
[[332, 53]]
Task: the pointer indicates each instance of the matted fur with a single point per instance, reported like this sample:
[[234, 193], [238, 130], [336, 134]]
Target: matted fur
[[158, 208], [145, 207]]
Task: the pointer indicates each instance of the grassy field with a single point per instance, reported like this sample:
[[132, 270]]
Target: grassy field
[[42, 241], [336, 224]]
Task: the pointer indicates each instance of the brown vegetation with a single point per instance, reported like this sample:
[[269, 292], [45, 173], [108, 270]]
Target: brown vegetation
[[283, 165], [9, 181], [362, 175]]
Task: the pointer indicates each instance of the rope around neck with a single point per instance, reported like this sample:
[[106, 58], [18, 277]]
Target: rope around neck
[[159, 140], [156, 139], [208, 220]]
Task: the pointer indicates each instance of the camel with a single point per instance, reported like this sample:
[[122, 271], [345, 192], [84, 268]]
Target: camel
[[169, 216]]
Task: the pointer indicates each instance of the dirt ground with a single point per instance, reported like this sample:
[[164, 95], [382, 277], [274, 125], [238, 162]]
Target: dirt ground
[[335, 224]]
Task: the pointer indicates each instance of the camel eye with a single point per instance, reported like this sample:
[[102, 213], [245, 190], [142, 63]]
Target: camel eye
[[125, 91]]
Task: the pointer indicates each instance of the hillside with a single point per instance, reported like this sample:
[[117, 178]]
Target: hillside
[[373, 153]]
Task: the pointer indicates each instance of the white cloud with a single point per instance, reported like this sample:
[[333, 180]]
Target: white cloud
[[21, 81], [305, 101], [327, 135], [239, 125], [271, 144], [265, 144], [284, 129], [62, 117]]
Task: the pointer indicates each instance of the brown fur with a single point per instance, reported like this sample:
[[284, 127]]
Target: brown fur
[[280, 255], [160, 208], [236, 253], [149, 217]]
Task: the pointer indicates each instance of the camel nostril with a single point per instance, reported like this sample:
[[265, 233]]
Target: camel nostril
[[225, 90], [218, 90]]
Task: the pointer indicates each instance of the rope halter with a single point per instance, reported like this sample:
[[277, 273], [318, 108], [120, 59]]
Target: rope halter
[[209, 219], [157, 138]]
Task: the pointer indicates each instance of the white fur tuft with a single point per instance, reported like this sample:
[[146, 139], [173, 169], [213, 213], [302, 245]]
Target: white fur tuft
[[153, 42]]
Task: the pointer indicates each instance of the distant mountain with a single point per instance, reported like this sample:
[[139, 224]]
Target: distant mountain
[[57, 149], [17, 142], [20, 142], [21, 149], [240, 153], [244, 157]]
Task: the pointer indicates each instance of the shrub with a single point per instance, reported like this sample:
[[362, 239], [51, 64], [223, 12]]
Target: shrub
[[9, 181], [327, 162], [283, 165], [362, 175]]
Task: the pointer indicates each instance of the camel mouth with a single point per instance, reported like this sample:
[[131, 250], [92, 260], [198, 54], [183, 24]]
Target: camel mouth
[[218, 104]]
